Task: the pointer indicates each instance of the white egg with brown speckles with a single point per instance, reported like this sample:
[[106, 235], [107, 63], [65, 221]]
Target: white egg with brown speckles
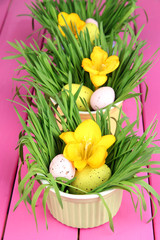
[[61, 167], [102, 97]]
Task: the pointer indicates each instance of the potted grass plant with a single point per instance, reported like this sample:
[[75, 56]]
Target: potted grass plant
[[68, 60], [114, 14], [120, 160]]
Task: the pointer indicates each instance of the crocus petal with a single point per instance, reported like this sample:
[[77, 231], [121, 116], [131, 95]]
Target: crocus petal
[[98, 80], [88, 66], [111, 64], [72, 151], [74, 19], [98, 56], [61, 17], [81, 25], [62, 22], [98, 157], [61, 30], [88, 132], [79, 28], [107, 141], [67, 137], [80, 164]]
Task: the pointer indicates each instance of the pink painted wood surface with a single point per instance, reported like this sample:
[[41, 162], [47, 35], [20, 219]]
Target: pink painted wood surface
[[14, 28], [152, 107], [4, 6], [127, 223]]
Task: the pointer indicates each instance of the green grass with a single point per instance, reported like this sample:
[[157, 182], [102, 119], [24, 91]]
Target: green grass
[[114, 14], [52, 69]]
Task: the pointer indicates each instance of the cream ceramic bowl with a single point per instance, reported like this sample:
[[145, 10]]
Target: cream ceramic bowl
[[84, 211], [114, 114]]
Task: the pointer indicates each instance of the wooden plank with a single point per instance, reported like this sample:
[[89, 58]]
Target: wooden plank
[[151, 106], [9, 126], [127, 223], [4, 6]]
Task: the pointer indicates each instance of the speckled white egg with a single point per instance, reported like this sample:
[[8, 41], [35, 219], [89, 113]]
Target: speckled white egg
[[102, 97], [61, 167], [91, 20]]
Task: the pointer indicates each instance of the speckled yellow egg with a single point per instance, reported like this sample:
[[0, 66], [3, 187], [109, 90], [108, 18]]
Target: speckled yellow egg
[[92, 29], [90, 178], [85, 93]]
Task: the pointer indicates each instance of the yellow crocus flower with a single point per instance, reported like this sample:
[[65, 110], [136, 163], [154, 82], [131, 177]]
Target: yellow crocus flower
[[73, 21], [99, 65], [86, 146]]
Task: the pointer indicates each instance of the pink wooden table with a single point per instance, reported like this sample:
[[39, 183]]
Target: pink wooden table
[[20, 225]]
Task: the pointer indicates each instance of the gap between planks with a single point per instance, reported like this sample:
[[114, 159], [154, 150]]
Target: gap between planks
[[5, 16], [143, 126]]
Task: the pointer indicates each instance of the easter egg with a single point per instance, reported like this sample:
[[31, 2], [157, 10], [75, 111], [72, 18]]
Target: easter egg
[[92, 29], [61, 167], [85, 93], [90, 178], [91, 20], [102, 97]]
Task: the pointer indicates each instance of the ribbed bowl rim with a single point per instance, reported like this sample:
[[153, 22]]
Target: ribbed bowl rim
[[81, 196], [93, 112]]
